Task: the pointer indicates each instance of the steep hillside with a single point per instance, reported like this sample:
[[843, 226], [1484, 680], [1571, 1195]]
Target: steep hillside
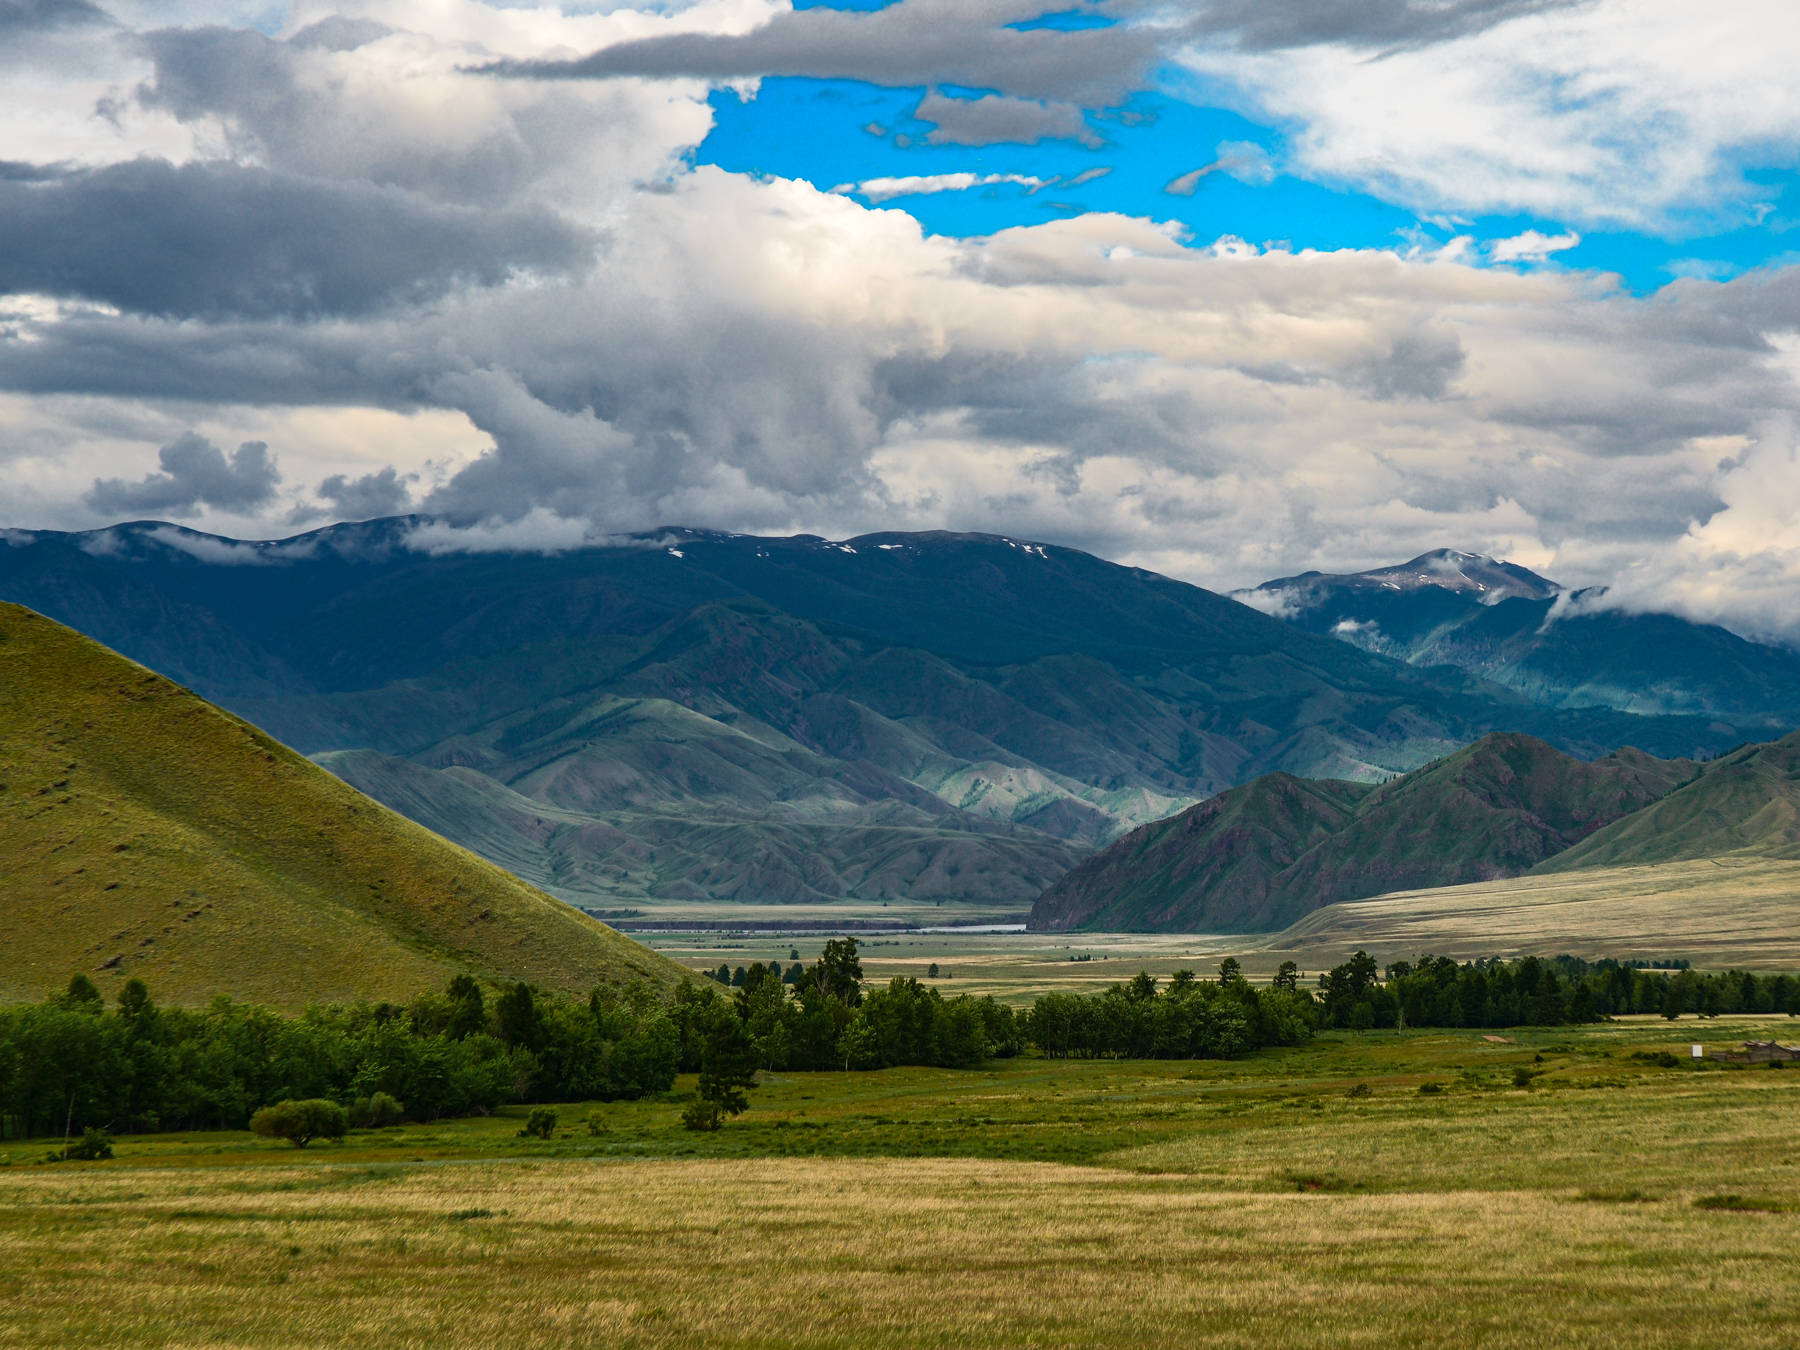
[[1263, 855], [1745, 805], [149, 833], [1498, 621], [686, 716]]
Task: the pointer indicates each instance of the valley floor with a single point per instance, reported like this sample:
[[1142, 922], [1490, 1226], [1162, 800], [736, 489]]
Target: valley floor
[[1313, 1196]]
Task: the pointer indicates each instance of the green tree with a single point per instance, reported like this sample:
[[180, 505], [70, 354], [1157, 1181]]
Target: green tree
[[1230, 969], [858, 1042], [838, 972], [1287, 976], [541, 1122], [470, 1013], [728, 1066], [301, 1122], [519, 1018]]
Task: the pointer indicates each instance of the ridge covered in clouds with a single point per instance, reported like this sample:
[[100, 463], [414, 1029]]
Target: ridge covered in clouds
[[460, 258]]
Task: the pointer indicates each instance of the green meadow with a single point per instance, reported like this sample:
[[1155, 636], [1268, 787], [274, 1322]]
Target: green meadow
[[1568, 1186]]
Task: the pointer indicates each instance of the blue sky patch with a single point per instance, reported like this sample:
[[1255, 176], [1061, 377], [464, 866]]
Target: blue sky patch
[[1215, 171]]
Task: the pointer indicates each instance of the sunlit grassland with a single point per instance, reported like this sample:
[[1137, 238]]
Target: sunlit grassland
[[1014, 967], [1717, 913], [1029, 1202], [1738, 912]]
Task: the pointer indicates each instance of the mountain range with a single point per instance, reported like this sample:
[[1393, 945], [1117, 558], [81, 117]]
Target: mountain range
[[685, 716], [1264, 855], [1557, 648], [150, 834]]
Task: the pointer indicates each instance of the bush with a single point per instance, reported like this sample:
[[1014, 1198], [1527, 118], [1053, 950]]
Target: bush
[[596, 1121], [93, 1146], [541, 1122], [701, 1114], [376, 1112], [1522, 1077], [301, 1122]]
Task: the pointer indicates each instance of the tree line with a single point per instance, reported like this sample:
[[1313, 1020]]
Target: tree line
[[1439, 992], [71, 1063], [1188, 1018]]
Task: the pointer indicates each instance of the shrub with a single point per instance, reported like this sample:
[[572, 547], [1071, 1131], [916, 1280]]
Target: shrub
[[701, 1114], [301, 1122], [91, 1147], [541, 1122], [376, 1112], [1359, 1090], [1522, 1077], [596, 1122]]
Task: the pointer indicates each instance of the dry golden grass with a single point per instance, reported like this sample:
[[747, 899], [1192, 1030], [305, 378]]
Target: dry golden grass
[[1716, 914], [150, 833], [842, 1253], [1271, 1208]]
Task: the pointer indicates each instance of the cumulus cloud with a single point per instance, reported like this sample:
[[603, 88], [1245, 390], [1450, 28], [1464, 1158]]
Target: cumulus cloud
[[195, 472], [752, 353], [1256, 25], [994, 118], [218, 240], [18, 17], [913, 42], [1531, 246], [385, 493], [1614, 113]]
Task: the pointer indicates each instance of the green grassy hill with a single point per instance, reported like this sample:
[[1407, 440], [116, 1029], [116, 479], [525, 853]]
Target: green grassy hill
[[1263, 855], [146, 832], [1742, 805]]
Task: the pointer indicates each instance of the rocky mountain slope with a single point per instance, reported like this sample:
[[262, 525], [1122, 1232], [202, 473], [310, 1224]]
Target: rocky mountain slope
[[1264, 855], [149, 833]]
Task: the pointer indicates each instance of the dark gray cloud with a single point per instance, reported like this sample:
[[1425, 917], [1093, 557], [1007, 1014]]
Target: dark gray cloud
[[291, 106], [340, 33], [1417, 364], [366, 498], [195, 473], [914, 42], [972, 43], [221, 240], [18, 17], [995, 118], [1259, 25]]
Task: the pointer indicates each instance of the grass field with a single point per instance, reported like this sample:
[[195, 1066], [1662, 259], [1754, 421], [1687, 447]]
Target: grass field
[[1730, 912], [1305, 1197]]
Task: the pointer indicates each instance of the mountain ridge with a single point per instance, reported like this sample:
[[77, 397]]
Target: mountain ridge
[[1265, 854], [769, 711], [1503, 623]]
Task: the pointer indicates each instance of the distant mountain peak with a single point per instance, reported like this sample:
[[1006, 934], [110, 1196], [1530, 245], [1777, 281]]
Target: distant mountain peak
[[1490, 580]]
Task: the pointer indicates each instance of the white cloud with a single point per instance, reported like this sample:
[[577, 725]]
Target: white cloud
[[1531, 246], [886, 189], [1632, 113]]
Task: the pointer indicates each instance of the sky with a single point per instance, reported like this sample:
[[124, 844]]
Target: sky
[[1229, 290]]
